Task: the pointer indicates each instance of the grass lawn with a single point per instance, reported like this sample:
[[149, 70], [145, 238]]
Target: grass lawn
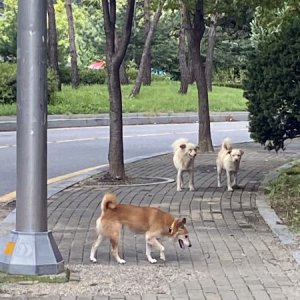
[[284, 195], [160, 97]]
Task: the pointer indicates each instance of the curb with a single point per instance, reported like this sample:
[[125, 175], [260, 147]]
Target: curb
[[62, 121], [285, 235]]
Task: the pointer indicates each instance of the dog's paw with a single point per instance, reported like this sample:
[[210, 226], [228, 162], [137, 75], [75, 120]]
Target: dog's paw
[[192, 189], [179, 189], [219, 185], [230, 189], [162, 256], [152, 260], [121, 261], [93, 259]]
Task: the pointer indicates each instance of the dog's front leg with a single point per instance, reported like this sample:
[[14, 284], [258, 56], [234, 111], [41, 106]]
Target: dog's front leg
[[148, 253], [96, 244], [179, 181], [219, 172], [160, 247], [229, 187], [191, 180], [234, 175]]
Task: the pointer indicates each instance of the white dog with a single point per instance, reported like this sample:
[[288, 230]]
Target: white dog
[[229, 160], [184, 156], [153, 222]]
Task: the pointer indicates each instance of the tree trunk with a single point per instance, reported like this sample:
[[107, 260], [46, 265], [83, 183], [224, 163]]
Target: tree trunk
[[196, 30], [147, 65], [52, 42], [182, 57], [73, 52], [138, 83], [210, 52], [114, 59], [123, 74]]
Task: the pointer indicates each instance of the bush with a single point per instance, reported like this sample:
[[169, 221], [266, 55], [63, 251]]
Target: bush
[[87, 76], [91, 76], [8, 82], [272, 87], [52, 84]]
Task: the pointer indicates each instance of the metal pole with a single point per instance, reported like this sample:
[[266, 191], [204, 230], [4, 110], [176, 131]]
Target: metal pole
[[31, 249], [32, 117]]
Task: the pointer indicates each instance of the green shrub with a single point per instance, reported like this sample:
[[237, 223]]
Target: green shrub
[[8, 82], [272, 87], [65, 74], [92, 76], [52, 84]]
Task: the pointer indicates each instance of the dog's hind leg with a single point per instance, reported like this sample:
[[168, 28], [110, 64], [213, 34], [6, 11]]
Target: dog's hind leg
[[114, 240], [96, 244]]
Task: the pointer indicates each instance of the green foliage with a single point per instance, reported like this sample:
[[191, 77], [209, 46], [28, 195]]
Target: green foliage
[[91, 76], [132, 70], [272, 87], [8, 81], [87, 76], [284, 195], [52, 84], [8, 31]]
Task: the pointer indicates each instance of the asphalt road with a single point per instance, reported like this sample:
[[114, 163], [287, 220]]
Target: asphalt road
[[74, 149]]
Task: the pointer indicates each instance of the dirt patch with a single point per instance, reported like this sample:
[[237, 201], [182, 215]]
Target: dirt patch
[[106, 179]]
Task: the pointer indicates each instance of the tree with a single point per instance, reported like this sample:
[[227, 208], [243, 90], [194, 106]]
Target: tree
[[8, 31], [114, 58], [147, 60], [183, 55], [52, 41], [210, 51], [195, 29], [73, 52], [146, 51], [272, 87]]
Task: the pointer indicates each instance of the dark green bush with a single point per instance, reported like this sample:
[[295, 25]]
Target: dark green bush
[[87, 76], [8, 81], [92, 76], [52, 84], [272, 87]]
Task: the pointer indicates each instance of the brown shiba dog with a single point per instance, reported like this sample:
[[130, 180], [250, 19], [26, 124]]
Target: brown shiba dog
[[229, 160], [183, 158], [152, 222]]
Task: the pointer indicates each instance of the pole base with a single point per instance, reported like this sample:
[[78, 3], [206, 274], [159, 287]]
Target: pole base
[[30, 253]]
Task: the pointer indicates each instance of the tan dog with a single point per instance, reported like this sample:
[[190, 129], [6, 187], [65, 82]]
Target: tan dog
[[229, 160], [152, 222], [183, 158]]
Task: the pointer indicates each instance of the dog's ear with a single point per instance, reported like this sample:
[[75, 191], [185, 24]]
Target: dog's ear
[[241, 152], [183, 221], [229, 151], [182, 146]]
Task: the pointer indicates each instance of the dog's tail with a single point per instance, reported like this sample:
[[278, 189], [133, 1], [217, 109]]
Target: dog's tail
[[227, 144], [178, 143], [109, 201]]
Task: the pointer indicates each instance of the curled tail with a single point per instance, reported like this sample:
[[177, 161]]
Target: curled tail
[[227, 144], [178, 143], [109, 201]]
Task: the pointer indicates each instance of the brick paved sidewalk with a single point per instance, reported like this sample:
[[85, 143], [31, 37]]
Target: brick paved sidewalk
[[233, 248]]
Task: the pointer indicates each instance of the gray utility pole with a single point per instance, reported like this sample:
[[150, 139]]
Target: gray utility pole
[[31, 248]]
